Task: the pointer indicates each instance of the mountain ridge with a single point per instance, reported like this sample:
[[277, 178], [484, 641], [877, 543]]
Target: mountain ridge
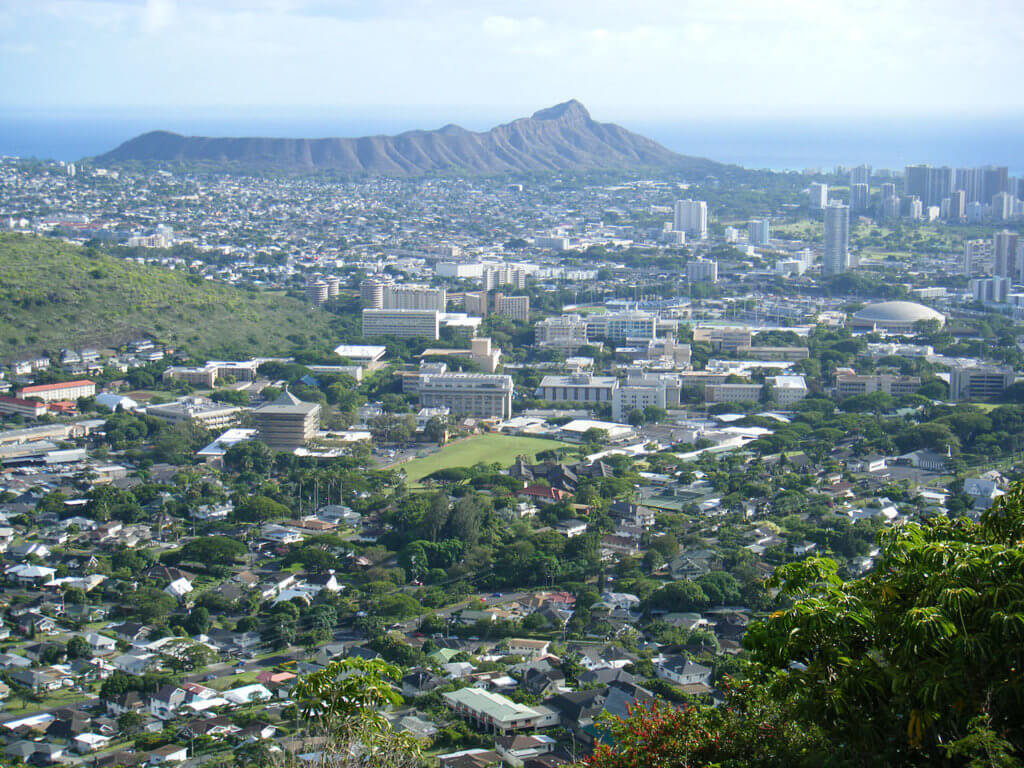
[[563, 137]]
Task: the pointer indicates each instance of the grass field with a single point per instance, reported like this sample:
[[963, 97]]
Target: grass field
[[502, 449]]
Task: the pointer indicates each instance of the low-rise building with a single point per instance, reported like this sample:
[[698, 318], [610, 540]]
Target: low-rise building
[[65, 390], [287, 422], [480, 395], [491, 711], [577, 388]]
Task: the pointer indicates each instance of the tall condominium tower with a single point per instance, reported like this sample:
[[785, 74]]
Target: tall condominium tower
[[837, 239]]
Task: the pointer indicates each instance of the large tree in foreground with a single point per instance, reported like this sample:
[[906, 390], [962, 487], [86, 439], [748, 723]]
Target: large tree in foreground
[[919, 663]]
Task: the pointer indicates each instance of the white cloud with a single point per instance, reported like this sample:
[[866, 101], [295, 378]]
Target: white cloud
[[158, 15]]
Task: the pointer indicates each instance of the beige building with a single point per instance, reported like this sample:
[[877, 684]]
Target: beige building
[[65, 390], [515, 307], [287, 422], [200, 410], [732, 393], [481, 395], [850, 384]]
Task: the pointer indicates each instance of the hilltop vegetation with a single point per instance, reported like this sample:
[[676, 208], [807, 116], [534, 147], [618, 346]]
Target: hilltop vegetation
[[55, 295]]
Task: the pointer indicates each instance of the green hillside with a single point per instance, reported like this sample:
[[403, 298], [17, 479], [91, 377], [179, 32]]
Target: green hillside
[[55, 295]]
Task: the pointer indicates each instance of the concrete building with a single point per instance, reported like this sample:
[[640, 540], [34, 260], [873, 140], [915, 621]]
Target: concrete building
[[475, 303], [566, 333], [635, 397], [287, 423], [860, 175], [732, 393], [485, 396], [577, 388], [691, 217], [620, 326], [371, 290], [31, 409], [837, 240], [977, 257], [1004, 254], [65, 390], [957, 208], [759, 231], [316, 292], [897, 317], [990, 290], [204, 377], [196, 409], [515, 307], [702, 271], [421, 297], [402, 323], [787, 390], [495, 276], [860, 198], [723, 338], [368, 356], [930, 185], [979, 381], [850, 384], [817, 195]]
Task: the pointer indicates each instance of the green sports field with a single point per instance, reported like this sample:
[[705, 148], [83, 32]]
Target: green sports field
[[502, 449]]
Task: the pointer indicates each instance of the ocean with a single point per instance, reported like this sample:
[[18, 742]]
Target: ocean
[[778, 144]]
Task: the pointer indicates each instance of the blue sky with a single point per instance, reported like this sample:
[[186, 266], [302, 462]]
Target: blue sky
[[624, 59]]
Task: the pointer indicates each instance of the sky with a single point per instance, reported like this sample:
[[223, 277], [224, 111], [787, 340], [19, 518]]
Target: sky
[[624, 59]]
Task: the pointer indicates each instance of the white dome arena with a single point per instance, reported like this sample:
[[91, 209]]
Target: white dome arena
[[893, 316]]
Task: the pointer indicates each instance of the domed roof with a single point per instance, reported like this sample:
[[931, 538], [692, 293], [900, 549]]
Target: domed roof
[[898, 312]]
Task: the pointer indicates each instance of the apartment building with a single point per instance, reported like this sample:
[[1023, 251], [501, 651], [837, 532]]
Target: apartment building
[[414, 297], [566, 333], [620, 326], [481, 395], [491, 711], [515, 307]]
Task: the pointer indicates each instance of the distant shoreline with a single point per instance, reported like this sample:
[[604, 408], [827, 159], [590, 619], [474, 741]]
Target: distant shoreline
[[777, 144]]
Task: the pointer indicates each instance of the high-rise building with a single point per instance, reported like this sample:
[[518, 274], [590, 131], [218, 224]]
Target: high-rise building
[[860, 197], [415, 297], [1004, 254], [994, 179], [887, 190], [980, 381], [619, 326], [977, 257], [702, 271], [1002, 206], [817, 195], [890, 208], [317, 292], [515, 307], [957, 205], [929, 184], [371, 290], [759, 231], [990, 290], [915, 209], [860, 175], [837, 239], [691, 217]]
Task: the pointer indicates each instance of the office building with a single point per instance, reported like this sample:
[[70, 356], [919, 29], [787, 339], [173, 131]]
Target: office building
[[817, 195], [52, 393], [414, 297], [204, 377], [198, 410], [691, 217], [620, 326], [286, 423], [566, 333], [850, 384], [979, 381], [732, 393], [483, 354], [635, 397], [577, 388], [371, 290], [514, 307], [723, 338], [759, 231], [837, 239], [786, 390], [1004, 254], [990, 290], [702, 271], [402, 323], [480, 395], [860, 198]]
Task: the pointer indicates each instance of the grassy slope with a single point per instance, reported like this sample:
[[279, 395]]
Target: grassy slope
[[55, 295], [502, 449]]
